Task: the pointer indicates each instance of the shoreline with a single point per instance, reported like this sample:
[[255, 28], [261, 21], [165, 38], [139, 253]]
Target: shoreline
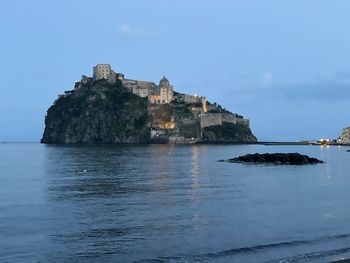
[[267, 143]]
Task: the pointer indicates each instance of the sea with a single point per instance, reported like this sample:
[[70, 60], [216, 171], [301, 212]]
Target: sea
[[171, 203]]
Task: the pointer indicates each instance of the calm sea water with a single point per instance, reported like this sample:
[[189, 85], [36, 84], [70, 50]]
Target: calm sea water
[[165, 203]]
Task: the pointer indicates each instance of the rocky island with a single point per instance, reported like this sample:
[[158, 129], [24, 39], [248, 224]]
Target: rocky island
[[109, 108], [275, 158]]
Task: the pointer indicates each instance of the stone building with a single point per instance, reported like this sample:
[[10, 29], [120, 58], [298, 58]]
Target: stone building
[[180, 97], [161, 115], [166, 91], [160, 94], [120, 76], [345, 136], [140, 87], [101, 71], [192, 99], [112, 77], [84, 81]]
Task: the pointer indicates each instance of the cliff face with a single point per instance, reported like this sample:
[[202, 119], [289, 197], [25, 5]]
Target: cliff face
[[97, 113], [227, 133]]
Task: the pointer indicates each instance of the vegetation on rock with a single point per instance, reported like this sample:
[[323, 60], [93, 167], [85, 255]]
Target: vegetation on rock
[[228, 132], [97, 113]]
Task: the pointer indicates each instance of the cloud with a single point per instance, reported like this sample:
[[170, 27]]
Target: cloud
[[330, 87], [267, 78], [317, 91], [327, 91], [125, 30]]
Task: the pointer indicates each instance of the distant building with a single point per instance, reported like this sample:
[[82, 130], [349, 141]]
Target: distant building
[[101, 71], [345, 136], [140, 87], [120, 76], [192, 99], [157, 94], [166, 91], [163, 93], [162, 122], [112, 77], [84, 81]]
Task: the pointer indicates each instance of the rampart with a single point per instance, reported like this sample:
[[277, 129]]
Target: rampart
[[212, 119]]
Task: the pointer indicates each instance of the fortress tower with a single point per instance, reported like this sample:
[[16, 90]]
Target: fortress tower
[[166, 90], [102, 71]]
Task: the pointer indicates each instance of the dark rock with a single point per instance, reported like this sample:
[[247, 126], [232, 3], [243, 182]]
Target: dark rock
[[98, 112], [276, 158], [228, 133]]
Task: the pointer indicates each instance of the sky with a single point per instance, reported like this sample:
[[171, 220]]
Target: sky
[[285, 65]]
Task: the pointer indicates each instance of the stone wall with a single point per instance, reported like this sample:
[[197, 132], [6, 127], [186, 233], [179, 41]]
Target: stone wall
[[140, 87], [188, 98], [210, 119], [142, 91], [229, 117], [211, 107], [112, 78]]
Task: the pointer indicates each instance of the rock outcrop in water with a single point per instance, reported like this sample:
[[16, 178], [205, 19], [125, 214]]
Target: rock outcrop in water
[[276, 158], [117, 111], [344, 138]]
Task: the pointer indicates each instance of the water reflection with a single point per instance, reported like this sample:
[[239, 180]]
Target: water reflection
[[195, 173], [326, 175], [195, 187], [89, 214], [109, 198], [127, 203], [84, 172]]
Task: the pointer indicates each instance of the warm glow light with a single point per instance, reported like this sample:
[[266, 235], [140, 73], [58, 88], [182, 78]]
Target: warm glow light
[[204, 107], [169, 125]]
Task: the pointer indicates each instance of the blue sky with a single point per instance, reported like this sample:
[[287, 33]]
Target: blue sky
[[285, 65]]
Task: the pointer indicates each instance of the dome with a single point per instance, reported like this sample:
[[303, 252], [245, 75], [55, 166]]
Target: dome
[[164, 81]]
